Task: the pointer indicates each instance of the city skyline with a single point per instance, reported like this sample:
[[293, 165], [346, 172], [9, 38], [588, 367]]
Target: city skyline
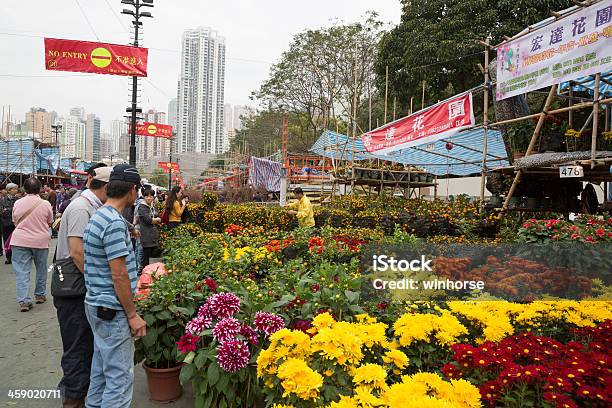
[[251, 51]]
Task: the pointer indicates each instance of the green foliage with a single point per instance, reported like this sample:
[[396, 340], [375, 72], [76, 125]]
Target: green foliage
[[166, 310], [158, 178]]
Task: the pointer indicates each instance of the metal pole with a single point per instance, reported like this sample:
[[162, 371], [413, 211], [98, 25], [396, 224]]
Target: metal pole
[[170, 159], [134, 88]]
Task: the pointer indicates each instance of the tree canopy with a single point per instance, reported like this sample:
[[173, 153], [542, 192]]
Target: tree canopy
[[437, 42]]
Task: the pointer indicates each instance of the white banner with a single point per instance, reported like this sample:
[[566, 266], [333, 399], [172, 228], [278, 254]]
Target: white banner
[[575, 46]]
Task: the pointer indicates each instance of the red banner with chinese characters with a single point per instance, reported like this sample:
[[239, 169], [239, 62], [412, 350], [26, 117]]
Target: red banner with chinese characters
[[95, 58], [167, 166], [427, 126], [154, 130]]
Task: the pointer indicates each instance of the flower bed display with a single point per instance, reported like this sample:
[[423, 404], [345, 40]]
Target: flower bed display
[[260, 313]]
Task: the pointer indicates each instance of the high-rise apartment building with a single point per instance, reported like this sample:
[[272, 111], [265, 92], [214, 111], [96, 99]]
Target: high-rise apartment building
[[72, 137], [201, 92], [92, 139], [118, 129], [78, 112], [106, 146], [39, 122]]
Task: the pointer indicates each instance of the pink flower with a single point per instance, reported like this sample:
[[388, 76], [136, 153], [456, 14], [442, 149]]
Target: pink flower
[[188, 342], [197, 325], [226, 329], [575, 236], [600, 233], [268, 323], [204, 311], [223, 305], [233, 355], [590, 239], [250, 334]]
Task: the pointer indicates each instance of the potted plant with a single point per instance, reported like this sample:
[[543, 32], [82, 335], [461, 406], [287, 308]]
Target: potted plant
[[166, 309], [219, 348], [518, 137]]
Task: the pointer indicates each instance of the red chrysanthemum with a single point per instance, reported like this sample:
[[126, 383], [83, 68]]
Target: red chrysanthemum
[[222, 305], [233, 355], [268, 323], [197, 325], [226, 329]]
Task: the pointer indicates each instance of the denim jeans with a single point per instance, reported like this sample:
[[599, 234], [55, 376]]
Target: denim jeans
[[77, 340], [112, 368], [22, 265]]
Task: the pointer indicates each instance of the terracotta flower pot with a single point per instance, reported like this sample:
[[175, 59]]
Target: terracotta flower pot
[[164, 384]]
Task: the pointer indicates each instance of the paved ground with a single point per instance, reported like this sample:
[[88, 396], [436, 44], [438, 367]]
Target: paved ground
[[31, 348]]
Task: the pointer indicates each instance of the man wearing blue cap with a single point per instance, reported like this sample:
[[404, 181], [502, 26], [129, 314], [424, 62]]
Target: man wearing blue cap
[[110, 277]]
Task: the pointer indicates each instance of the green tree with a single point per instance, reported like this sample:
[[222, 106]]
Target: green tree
[[437, 42], [158, 177], [325, 70]]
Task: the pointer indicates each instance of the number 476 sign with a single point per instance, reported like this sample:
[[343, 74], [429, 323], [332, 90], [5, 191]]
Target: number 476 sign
[[571, 171]]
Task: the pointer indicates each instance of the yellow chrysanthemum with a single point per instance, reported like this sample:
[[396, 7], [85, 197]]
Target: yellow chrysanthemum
[[372, 375], [397, 358], [299, 379]]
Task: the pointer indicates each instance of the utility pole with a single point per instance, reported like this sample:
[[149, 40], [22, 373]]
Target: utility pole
[[170, 172], [133, 110]]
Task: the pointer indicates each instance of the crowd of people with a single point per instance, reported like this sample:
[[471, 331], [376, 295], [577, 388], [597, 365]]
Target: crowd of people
[[107, 232]]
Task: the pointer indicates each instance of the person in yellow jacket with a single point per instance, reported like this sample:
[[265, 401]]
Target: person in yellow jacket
[[175, 206], [302, 208]]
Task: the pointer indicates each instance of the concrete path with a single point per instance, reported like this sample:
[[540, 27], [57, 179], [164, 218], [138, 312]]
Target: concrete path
[[31, 348]]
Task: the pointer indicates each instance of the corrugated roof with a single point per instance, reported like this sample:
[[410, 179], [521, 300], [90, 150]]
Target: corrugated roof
[[587, 84], [465, 158]]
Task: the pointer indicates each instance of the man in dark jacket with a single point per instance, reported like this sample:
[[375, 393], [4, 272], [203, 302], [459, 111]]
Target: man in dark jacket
[[148, 221], [6, 215]]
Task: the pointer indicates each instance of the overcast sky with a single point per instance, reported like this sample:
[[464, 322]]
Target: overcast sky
[[256, 32]]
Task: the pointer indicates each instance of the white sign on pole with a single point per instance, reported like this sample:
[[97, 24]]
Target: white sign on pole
[[574, 46]]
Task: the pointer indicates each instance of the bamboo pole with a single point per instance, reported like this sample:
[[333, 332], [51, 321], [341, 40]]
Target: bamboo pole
[[534, 138], [411, 99], [369, 111], [394, 106], [485, 121], [386, 90], [354, 127], [570, 119], [325, 120], [595, 119], [423, 97]]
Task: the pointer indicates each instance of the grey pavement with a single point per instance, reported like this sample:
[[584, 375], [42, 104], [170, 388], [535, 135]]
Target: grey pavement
[[31, 348]]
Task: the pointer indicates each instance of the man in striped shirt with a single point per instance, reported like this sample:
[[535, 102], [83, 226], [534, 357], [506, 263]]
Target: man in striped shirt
[[110, 277]]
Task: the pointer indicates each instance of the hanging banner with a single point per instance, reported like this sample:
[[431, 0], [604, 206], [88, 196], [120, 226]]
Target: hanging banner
[[95, 58], [574, 46], [167, 166], [154, 130], [434, 123]]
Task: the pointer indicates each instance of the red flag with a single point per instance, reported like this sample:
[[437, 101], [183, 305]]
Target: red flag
[[154, 129], [94, 57], [427, 126]]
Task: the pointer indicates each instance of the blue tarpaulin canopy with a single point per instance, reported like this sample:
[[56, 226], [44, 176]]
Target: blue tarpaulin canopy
[[587, 84], [463, 159]]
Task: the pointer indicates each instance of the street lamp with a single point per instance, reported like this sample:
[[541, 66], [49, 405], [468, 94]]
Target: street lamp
[[133, 110]]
